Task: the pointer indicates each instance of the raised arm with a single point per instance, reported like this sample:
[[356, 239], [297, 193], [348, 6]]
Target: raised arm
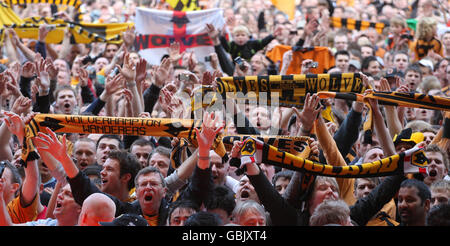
[[380, 127], [29, 190], [80, 184], [66, 46], [112, 85], [151, 94], [201, 182], [393, 122], [128, 71], [10, 48], [27, 52], [49, 143]]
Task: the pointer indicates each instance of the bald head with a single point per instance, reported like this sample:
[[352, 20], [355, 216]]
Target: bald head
[[97, 208]]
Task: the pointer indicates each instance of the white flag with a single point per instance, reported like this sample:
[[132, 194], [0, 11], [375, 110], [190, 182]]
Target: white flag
[[157, 29]]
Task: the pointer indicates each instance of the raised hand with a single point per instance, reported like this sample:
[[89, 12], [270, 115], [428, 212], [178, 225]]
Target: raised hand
[[309, 113], [129, 36], [141, 73], [14, 68], [174, 52], [21, 105], [213, 33], [12, 85], [191, 62], [367, 81], [401, 87], [83, 76], [214, 61], [112, 85], [51, 69], [207, 134], [314, 149], [42, 74], [128, 69], [28, 70], [128, 97], [236, 149], [50, 143], [43, 31], [173, 107], [306, 66], [162, 73], [15, 125]]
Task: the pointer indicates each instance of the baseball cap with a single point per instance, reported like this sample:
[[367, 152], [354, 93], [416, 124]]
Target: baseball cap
[[126, 220], [406, 135], [355, 63], [427, 63], [380, 60], [390, 73]]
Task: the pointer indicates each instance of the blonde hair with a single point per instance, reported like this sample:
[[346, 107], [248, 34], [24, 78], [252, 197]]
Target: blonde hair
[[440, 186], [241, 28], [418, 125], [429, 83], [330, 212], [398, 20], [426, 27]]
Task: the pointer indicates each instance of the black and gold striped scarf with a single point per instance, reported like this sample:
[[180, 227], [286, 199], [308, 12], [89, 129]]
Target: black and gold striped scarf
[[74, 3], [359, 25], [290, 90], [81, 32], [410, 161]]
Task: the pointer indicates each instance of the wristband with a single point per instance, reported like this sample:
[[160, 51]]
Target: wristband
[[203, 158], [44, 92]]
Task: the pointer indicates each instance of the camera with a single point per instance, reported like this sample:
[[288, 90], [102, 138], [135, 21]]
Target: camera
[[238, 60], [86, 60], [406, 34], [114, 72], [207, 58], [183, 77], [313, 65]]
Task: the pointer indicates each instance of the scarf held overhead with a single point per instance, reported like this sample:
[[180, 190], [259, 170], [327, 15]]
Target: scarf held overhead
[[181, 128], [410, 161], [291, 89], [359, 25], [413, 100], [74, 3], [81, 32]]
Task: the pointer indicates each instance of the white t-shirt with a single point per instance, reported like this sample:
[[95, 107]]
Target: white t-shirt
[[43, 222]]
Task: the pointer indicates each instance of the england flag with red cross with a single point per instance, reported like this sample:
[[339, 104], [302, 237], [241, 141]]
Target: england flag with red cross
[[157, 29]]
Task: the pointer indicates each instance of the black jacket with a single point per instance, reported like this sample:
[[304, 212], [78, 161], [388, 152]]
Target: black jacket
[[282, 213]]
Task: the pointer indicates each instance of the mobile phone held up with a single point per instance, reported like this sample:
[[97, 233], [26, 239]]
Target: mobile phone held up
[[240, 62]]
